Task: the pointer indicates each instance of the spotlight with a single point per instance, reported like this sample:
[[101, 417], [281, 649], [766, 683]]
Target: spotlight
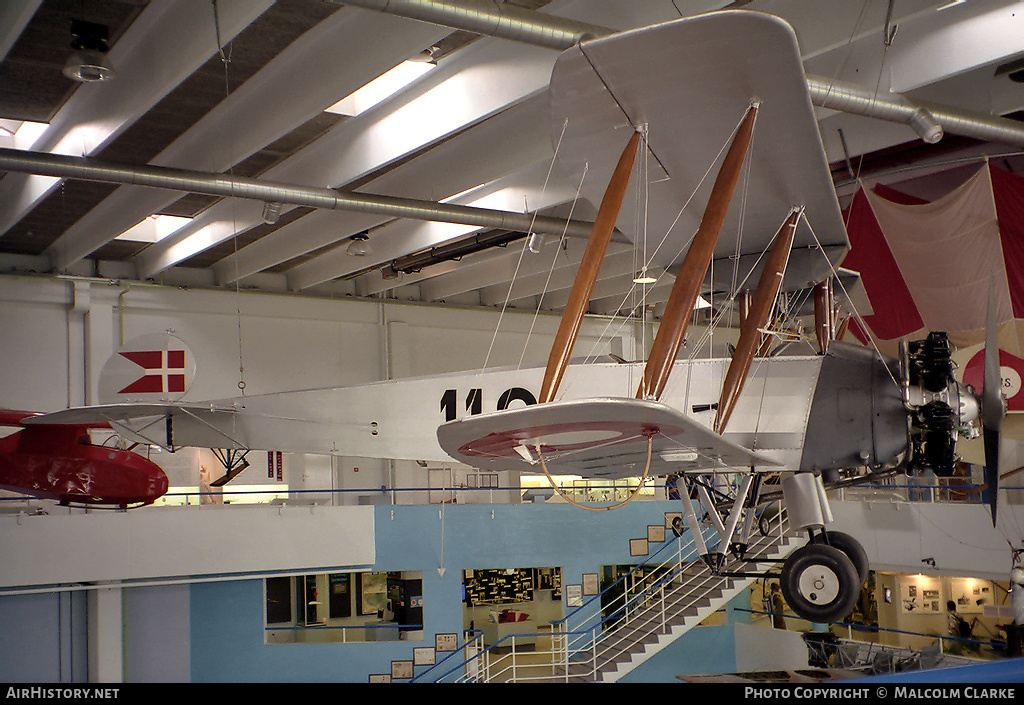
[[926, 126], [535, 243], [359, 247], [644, 277], [272, 211], [88, 62]]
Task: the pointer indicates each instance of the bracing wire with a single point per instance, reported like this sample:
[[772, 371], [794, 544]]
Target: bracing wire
[[519, 262], [648, 259], [551, 269], [225, 58]]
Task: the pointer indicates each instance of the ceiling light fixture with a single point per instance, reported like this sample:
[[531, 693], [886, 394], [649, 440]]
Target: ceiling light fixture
[[271, 211], [643, 277], [88, 62], [360, 245], [381, 88], [926, 126]]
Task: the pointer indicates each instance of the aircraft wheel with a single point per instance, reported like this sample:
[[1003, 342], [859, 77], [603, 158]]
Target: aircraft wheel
[[677, 526], [768, 520], [851, 547], [819, 583]]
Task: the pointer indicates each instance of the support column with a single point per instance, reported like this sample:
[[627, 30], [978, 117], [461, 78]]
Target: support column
[[106, 635]]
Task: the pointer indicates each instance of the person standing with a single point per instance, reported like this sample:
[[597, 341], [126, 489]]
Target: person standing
[[778, 607]]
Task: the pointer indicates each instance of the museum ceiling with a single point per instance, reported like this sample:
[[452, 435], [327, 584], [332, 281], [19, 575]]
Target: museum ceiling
[[250, 89]]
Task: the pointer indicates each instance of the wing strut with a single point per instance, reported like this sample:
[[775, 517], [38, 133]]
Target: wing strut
[[695, 266], [824, 314], [579, 297], [750, 330]]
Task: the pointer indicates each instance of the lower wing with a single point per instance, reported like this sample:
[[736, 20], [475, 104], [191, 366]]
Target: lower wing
[[600, 438]]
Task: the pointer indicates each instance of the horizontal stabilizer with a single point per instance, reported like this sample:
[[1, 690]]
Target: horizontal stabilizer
[[118, 412], [156, 423], [603, 437]]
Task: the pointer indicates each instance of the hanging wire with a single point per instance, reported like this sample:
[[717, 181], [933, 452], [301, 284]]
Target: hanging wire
[[551, 269], [225, 58], [526, 242], [629, 295], [856, 314]]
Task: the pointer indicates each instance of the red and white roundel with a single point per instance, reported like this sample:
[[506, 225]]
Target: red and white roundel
[[1011, 372], [152, 368], [559, 438]]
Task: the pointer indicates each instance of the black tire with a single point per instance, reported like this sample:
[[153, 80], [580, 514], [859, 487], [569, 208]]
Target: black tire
[[851, 547], [820, 583], [769, 516], [677, 526]]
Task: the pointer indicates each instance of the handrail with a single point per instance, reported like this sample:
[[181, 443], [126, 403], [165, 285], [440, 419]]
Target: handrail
[[972, 492], [587, 636]]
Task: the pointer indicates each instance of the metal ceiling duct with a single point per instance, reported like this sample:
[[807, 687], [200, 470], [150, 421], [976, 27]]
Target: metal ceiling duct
[[492, 19], [850, 98], [504, 21], [88, 169]]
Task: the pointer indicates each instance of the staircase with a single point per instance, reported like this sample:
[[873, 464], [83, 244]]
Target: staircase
[[668, 610], [603, 642], [663, 612]]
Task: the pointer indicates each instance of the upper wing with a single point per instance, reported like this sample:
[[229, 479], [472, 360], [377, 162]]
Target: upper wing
[[690, 82], [604, 437]]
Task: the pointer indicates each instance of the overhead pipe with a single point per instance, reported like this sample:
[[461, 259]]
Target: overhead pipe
[[925, 117], [491, 18], [503, 21], [495, 19], [88, 169]]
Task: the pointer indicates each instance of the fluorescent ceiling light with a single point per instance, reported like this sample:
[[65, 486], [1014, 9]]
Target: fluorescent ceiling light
[[381, 88], [154, 228], [20, 134]]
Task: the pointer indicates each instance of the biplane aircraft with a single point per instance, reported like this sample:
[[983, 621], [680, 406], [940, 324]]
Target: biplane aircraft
[[710, 120]]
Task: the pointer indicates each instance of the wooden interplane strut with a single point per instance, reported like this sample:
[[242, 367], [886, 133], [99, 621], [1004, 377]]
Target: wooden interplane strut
[[824, 314], [582, 287], [690, 277], [750, 330]]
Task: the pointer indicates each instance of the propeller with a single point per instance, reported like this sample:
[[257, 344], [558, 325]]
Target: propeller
[[993, 407]]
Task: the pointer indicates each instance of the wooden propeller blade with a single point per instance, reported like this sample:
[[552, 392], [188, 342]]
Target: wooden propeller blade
[[824, 318], [582, 287], [695, 265], [760, 307]]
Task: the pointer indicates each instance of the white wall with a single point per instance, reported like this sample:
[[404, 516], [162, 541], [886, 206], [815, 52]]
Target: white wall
[[58, 333], [168, 543], [958, 539]]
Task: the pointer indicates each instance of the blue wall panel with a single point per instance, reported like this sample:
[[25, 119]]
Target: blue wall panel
[[227, 617]]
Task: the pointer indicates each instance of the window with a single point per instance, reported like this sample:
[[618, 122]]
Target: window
[[344, 607]]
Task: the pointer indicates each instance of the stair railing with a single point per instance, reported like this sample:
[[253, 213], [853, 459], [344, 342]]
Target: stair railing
[[580, 652]]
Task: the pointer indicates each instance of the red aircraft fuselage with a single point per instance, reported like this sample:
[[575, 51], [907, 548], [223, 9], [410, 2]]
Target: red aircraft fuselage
[[59, 462]]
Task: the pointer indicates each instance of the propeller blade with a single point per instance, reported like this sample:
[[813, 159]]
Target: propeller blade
[[993, 408]]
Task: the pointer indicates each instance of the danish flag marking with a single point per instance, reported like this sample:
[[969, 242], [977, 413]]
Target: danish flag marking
[[165, 371]]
